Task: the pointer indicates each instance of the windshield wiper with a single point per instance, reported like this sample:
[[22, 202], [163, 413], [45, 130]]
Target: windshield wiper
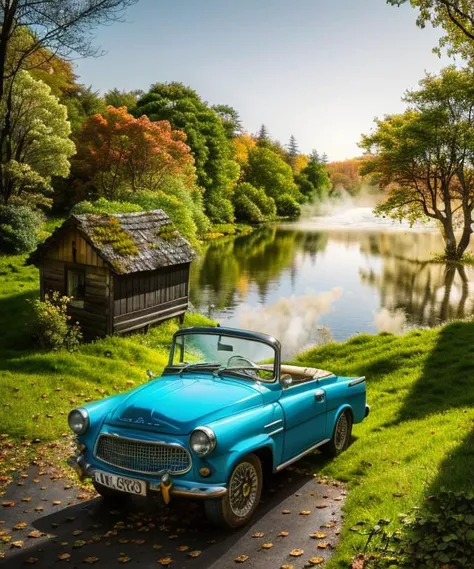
[[240, 370], [200, 365]]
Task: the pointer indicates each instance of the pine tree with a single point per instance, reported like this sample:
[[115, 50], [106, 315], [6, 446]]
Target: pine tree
[[293, 150], [324, 158], [263, 135], [314, 157]]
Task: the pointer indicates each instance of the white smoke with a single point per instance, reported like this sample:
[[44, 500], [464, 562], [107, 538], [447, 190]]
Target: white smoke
[[394, 321], [294, 320]]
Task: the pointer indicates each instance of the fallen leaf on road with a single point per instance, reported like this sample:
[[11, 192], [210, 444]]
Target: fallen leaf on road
[[321, 506], [35, 533], [258, 535], [267, 545], [91, 560], [79, 543], [296, 552], [241, 558], [194, 554], [20, 525], [123, 559], [157, 547], [64, 556], [39, 509], [56, 502], [287, 567], [323, 545], [8, 504], [182, 548], [77, 532], [26, 499], [283, 534], [286, 512], [315, 560], [305, 513], [165, 561], [318, 535], [17, 544], [31, 560]]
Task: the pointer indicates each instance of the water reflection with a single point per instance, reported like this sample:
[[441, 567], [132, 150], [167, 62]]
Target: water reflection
[[295, 281]]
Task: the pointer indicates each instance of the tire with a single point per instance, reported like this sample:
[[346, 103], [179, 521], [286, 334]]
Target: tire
[[243, 496], [341, 436], [109, 495]]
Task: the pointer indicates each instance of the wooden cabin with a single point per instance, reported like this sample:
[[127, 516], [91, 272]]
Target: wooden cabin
[[123, 271]]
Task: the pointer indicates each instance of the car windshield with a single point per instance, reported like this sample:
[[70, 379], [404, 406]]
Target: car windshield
[[234, 355]]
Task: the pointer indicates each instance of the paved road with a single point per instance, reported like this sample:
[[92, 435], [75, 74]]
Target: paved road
[[140, 532]]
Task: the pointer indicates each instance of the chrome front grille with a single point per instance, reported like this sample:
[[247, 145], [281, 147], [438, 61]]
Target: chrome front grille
[[141, 456]]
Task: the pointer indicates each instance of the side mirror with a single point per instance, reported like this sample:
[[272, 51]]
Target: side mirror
[[150, 374], [286, 380]]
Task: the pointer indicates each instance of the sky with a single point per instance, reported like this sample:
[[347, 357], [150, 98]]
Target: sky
[[320, 70]]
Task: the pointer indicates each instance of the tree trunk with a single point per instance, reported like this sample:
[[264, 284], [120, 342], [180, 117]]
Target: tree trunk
[[450, 245]]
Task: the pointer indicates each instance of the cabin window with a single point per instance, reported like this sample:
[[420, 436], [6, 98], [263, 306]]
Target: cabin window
[[76, 287]]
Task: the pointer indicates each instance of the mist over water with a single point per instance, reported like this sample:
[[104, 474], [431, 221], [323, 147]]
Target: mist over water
[[331, 276]]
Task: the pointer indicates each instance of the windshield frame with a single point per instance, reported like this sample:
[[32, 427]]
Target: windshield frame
[[231, 332]]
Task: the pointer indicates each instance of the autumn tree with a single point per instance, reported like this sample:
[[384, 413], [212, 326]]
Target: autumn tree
[[456, 17], [425, 157], [38, 146], [345, 175], [216, 171], [121, 154]]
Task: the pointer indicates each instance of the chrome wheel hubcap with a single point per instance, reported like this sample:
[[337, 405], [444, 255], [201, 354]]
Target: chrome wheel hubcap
[[243, 488], [342, 428]]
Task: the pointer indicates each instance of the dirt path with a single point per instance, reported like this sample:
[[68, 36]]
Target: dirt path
[[71, 529]]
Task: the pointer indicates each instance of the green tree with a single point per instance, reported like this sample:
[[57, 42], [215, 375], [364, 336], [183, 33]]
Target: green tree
[[38, 146], [267, 170], [117, 98], [292, 152], [230, 119], [263, 136], [424, 157], [206, 136], [313, 181], [456, 17], [252, 204]]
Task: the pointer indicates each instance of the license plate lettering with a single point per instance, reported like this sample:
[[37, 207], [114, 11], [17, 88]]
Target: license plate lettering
[[120, 483]]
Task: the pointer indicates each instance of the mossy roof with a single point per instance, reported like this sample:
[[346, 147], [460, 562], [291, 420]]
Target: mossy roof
[[156, 242]]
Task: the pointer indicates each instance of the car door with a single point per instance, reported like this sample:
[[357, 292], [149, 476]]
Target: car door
[[304, 407]]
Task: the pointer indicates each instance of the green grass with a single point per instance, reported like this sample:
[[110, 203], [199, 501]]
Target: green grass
[[418, 439], [419, 436], [38, 388]]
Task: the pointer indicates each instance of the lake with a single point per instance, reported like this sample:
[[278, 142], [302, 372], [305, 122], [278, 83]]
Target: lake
[[330, 277]]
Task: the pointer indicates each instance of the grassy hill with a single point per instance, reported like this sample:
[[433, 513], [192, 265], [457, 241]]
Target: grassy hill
[[418, 439]]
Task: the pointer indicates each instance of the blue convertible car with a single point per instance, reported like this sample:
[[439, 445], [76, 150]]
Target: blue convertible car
[[224, 410]]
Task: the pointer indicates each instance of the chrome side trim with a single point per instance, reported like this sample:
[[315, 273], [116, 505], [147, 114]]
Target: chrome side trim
[[143, 441], [298, 456], [275, 432], [356, 381], [274, 423]]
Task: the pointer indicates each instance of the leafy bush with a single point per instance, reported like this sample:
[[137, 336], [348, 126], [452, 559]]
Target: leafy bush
[[441, 536], [52, 326], [252, 204], [287, 206], [18, 228], [104, 206]]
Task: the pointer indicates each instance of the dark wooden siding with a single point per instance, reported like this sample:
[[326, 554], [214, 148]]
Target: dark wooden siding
[[95, 317], [146, 298]]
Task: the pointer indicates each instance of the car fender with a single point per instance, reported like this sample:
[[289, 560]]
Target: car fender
[[333, 415], [252, 445]]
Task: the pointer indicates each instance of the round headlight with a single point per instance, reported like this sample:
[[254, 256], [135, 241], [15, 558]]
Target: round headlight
[[78, 420], [203, 441]]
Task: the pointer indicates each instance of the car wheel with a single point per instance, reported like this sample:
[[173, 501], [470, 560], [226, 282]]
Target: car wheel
[[108, 494], [243, 495], [341, 436]]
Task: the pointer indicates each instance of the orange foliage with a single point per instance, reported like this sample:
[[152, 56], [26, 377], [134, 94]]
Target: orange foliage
[[118, 151], [345, 174]]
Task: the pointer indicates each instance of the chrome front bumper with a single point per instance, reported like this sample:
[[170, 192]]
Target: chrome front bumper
[[84, 470]]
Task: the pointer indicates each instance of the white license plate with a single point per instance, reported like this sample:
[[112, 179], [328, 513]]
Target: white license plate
[[120, 483]]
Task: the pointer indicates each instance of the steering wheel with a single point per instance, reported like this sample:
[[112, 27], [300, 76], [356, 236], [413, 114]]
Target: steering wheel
[[248, 364]]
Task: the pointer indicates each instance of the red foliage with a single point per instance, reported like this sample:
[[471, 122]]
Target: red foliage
[[116, 150]]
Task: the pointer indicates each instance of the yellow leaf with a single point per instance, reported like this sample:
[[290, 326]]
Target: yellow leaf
[[283, 534], [318, 535], [194, 554], [165, 561], [64, 556], [258, 535], [315, 560], [305, 513], [182, 548], [18, 544], [323, 545], [296, 552], [20, 525], [267, 545], [123, 559], [241, 558], [91, 560]]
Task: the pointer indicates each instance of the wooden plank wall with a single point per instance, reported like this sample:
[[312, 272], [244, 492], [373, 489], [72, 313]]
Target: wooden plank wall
[[138, 292], [94, 318], [63, 250]]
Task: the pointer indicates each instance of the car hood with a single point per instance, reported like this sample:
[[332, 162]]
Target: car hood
[[176, 405]]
